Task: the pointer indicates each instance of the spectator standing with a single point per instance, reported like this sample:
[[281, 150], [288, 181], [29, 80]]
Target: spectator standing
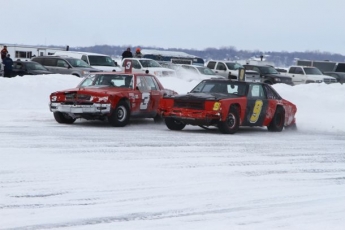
[[138, 53], [4, 53], [7, 66], [127, 53]]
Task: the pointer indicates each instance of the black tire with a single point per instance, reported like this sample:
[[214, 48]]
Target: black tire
[[63, 118], [120, 115], [277, 122], [173, 124], [158, 118], [232, 122]]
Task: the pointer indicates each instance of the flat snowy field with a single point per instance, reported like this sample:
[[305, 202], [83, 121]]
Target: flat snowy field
[[95, 177]]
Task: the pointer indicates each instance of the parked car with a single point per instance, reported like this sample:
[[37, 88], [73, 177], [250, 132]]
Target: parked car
[[228, 104], [111, 96], [228, 69], [95, 60], [308, 74], [340, 76], [143, 65], [269, 74], [199, 71], [65, 65], [21, 68]]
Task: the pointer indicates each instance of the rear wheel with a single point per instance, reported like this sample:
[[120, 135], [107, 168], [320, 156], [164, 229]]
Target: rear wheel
[[232, 122], [63, 118], [120, 115], [173, 124], [277, 123]]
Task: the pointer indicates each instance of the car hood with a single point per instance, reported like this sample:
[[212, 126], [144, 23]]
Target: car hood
[[96, 90], [108, 68], [278, 76], [204, 96]]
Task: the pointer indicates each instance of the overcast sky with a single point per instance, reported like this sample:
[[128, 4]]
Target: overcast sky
[[265, 25]]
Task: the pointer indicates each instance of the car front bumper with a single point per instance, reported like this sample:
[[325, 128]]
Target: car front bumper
[[77, 109], [193, 117]]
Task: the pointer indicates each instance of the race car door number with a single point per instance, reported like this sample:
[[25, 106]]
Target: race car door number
[[145, 98]]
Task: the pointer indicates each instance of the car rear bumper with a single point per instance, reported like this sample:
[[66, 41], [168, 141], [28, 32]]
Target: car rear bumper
[[77, 109]]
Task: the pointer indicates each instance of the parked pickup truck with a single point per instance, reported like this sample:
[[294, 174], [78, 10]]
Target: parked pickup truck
[[308, 74], [268, 74]]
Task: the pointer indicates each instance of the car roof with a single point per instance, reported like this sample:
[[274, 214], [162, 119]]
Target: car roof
[[122, 73], [24, 61], [57, 56]]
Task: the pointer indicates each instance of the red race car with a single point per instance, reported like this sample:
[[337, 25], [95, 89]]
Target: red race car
[[111, 96], [228, 104]]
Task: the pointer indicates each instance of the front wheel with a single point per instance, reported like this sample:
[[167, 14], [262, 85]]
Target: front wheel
[[278, 120], [63, 118], [120, 115], [173, 124], [232, 122]]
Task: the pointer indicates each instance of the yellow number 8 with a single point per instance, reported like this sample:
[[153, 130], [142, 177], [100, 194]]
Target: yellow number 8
[[256, 111]]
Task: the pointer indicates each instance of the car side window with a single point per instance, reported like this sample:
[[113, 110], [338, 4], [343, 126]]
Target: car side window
[[17, 66], [211, 64], [256, 69], [135, 64], [84, 58], [256, 91], [221, 66], [49, 61], [61, 63], [271, 94], [151, 83], [292, 70], [298, 70], [141, 84]]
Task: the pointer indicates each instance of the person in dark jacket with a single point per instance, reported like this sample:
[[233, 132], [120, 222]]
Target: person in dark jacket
[[4, 53], [127, 53], [7, 66]]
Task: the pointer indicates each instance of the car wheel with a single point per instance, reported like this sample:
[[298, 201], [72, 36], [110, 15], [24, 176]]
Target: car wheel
[[232, 122], [277, 122], [120, 115], [174, 124], [63, 118]]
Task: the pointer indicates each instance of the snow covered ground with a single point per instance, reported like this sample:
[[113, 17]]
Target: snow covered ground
[[95, 177]]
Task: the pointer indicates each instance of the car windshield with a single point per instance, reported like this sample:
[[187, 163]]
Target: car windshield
[[233, 66], [205, 70], [110, 80], [78, 63], [149, 63], [34, 66], [268, 70], [101, 61], [225, 87], [312, 71]]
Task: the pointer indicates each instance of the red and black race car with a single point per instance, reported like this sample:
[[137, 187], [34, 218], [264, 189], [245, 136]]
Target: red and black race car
[[227, 105], [111, 96]]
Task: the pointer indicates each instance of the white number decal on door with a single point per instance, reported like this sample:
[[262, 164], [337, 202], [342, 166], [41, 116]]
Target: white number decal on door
[[128, 65], [145, 98]]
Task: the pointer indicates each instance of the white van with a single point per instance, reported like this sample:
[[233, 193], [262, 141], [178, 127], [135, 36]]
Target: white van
[[98, 61]]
